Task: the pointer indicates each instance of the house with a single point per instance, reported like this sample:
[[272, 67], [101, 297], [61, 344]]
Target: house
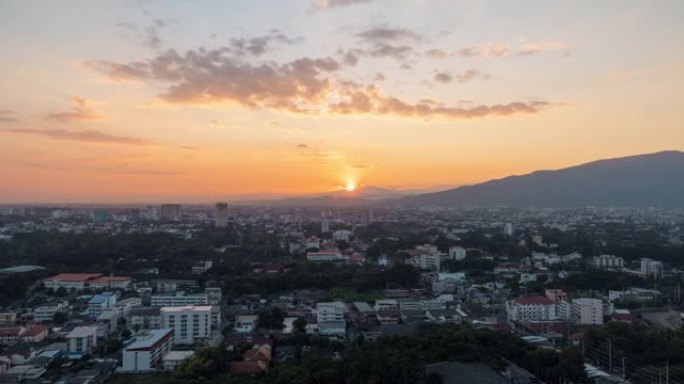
[[35, 334], [246, 323]]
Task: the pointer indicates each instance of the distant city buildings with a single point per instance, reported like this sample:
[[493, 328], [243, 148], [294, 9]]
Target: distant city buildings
[[608, 262], [171, 211], [652, 268], [221, 215]]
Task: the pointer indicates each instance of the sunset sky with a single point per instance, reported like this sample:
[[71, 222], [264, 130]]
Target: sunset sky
[[150, 101]]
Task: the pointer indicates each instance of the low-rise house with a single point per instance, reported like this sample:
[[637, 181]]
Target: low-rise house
[[246, 323]]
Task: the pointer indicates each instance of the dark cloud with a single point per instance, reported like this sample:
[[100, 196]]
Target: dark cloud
[[89, 136], [256, 46], [464, 77], [382, 34], [327, 4], [7, 116], [80, 111], [443, 77]]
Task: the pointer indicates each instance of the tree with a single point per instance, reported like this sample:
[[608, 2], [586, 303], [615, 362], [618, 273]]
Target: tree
[[59, 317], [299, 325]]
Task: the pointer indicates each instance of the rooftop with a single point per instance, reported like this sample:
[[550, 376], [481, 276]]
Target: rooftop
[[149, 339]]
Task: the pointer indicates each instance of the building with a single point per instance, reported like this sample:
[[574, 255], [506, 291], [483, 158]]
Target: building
[[12, 335], [100, 215], [430, 261], [325, 224], [8, 317], [79, 281], [457, 253], [324, 256], [100, 302], [181, 299], [531, 308], [146, 352], [608, 262], [221, 215], [556, 295], [108, 320], [507, 229], [201, 267], [246, 323], [171, 211], [191, 324], [368, 216], [35, 334], [82, 340], [144, 318], [123, 307], [588, 311], [330, 318], [45, 313], [172, 358], [652, 268]]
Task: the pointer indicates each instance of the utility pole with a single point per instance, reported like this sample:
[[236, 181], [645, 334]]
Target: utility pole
[[623, 368], [610, 356], [667, 372]]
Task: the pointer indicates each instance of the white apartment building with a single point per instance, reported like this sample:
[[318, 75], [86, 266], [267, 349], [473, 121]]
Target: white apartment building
[[123, 307], [608, 262], [652, 268], [181, 299], [45, 313], [82, 340], [457, 253], [430, 261], [246, 323], [146, 352], [531, 308], [191, 324], [587, 311], [330, 318]]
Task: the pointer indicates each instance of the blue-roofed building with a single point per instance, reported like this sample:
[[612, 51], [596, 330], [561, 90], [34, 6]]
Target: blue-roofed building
[[100, 302], [145, 353]]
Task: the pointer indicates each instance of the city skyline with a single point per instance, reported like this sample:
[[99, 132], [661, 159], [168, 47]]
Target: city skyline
[[149, 101]]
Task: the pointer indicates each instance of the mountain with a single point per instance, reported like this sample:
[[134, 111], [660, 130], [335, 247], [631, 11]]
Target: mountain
[[364, 195], [645, 180]]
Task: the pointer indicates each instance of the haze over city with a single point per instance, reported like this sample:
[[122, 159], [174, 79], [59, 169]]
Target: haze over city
[[142, 101]]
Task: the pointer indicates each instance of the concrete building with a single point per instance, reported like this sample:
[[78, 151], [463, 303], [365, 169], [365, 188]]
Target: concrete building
[[531, 308], [144, 318], [101, 302], [246, 323], [82, 340], [457, 253], [221, 215], [330, 318], [324, 256], [181, 299], [507, 229], [147, 351], [45, 313], [201, 267], [652, 268], [608, 262], [171, 211], [172, 358], [588, 311], [123, 307], [191, 324], [556, 295]]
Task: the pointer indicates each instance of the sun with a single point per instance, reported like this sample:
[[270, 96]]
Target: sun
[[350, 186]]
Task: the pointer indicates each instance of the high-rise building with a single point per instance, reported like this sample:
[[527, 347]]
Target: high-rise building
[[507, 229], [652, 268], [325, 223], [221, 215], [588, 311], [368, 216], [171, 211], [191, 324]]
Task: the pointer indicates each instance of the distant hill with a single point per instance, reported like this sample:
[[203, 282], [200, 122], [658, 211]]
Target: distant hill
[[645, 180]]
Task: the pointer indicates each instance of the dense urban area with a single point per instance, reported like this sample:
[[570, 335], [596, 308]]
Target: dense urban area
[[284, 294]]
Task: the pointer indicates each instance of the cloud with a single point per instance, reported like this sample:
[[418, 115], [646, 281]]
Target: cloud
[[533, 48], [7, 116], [302, 86], [256, 46], [80, 111], [359, 166], [302, 146], [436, 54], [327, 4], [383, 34], [149, 35], [443, 77], [484, 50], [89, 136], [368, 100]]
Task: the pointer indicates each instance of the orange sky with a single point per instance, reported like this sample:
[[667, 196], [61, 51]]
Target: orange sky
[[122, 103]]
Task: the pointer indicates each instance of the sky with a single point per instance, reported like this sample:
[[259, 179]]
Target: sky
[[180, 101]]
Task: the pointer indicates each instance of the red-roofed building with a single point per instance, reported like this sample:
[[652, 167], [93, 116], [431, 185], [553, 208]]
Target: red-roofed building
[[531, 308], [80, 281], [248, 367], [35, 334], [11, 335]]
